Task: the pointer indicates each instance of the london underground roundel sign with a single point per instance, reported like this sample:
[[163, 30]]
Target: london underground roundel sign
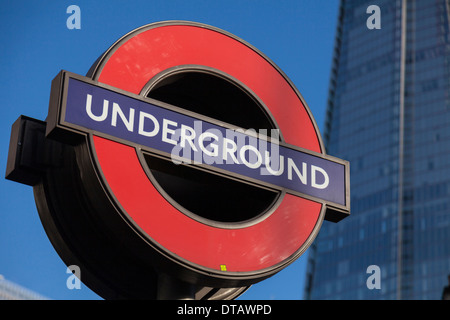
[[194, 156]]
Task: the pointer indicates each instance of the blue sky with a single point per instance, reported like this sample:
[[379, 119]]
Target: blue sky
[[298, 35]]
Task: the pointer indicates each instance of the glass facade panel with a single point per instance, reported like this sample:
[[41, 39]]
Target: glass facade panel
[[12, 291], [388, 113]]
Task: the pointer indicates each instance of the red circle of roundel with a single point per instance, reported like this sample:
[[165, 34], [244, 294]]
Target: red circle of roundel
[[129, 65]]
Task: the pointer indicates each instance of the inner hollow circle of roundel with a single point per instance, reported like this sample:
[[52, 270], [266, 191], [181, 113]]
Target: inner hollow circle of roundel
[[129, 65]]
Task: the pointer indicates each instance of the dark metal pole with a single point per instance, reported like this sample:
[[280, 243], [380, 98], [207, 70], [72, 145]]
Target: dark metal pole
[[170, 288]]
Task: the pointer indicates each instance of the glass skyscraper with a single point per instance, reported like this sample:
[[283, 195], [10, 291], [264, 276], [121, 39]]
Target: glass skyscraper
[[388, 113], [12, 291]]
